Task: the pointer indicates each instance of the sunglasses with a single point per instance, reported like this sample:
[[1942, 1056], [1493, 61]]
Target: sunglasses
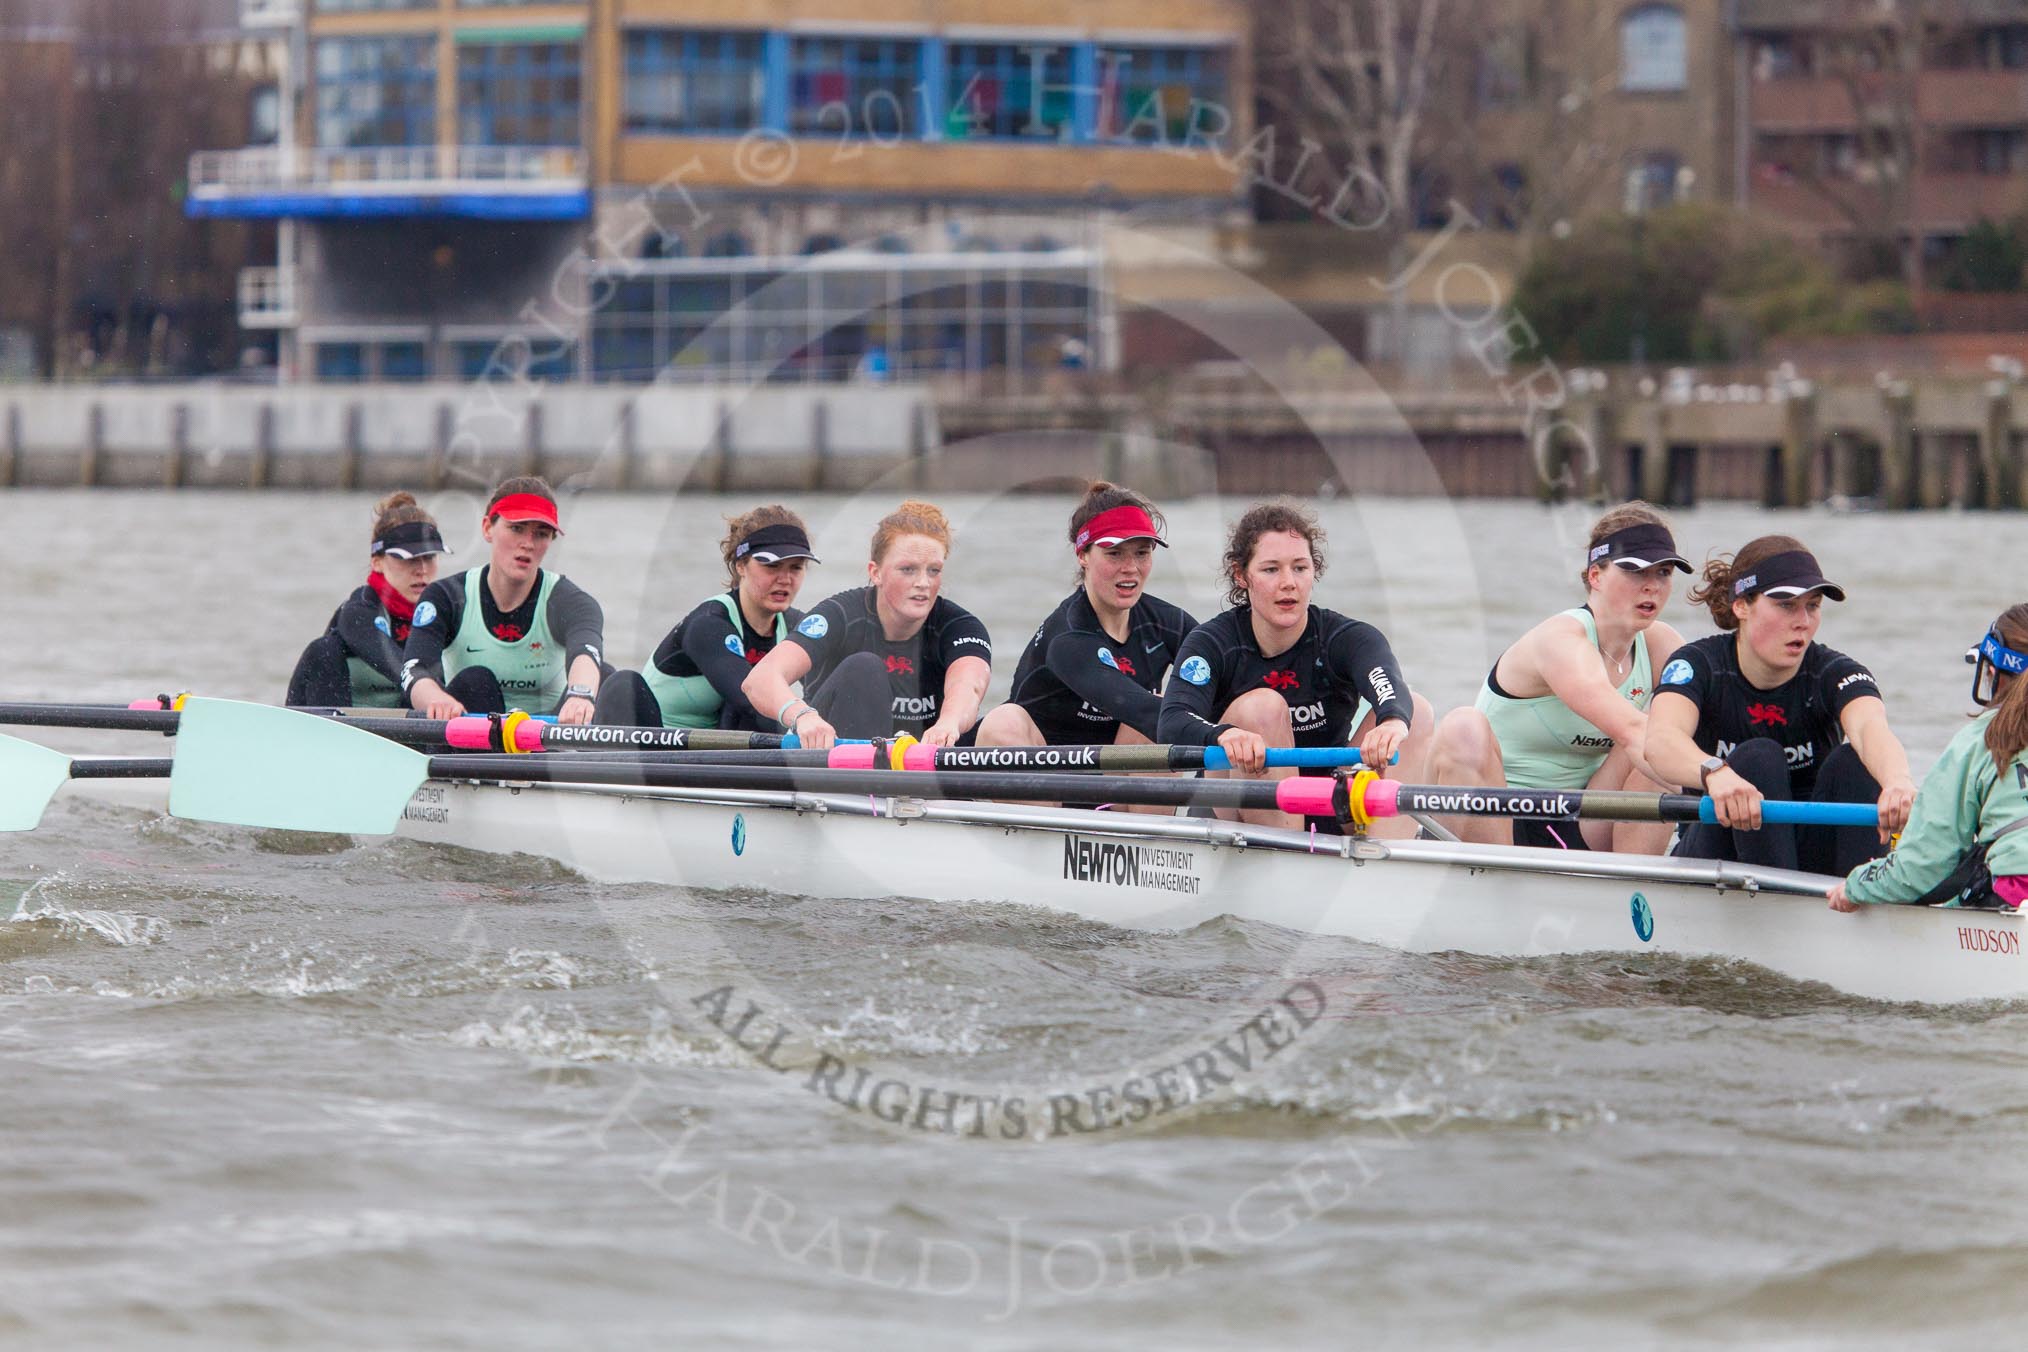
[[1990, 660]]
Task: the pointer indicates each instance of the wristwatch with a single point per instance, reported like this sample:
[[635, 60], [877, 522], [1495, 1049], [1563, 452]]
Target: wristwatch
[[1710, 766], [578, 692]]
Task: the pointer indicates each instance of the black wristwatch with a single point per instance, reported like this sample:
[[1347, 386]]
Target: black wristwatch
[[579, 692], [1711, 766]]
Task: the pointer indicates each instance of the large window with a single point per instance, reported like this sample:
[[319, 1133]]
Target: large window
[[855, 87], [1652, 54], [1010, 90], [519, 93], [693, 81], [1162, 95], [376, 92]]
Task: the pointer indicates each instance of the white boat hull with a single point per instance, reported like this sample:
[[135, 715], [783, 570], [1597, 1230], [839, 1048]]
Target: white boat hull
[[1169, 873]]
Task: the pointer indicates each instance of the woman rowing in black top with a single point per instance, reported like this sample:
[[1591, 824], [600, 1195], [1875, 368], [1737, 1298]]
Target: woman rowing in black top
[[1763, 710], [1276, 671], [888, 658], [694, 678], [1093, 671], [357, 662]]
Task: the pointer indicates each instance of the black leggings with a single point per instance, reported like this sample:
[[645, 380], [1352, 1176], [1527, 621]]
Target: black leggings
[[1842, 778], [625, 700], [857, 698], [479, 691]]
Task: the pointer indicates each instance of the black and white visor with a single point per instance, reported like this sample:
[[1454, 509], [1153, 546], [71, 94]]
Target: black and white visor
[[1783, 576], [411, 540], [772, 544], [1642, 545]]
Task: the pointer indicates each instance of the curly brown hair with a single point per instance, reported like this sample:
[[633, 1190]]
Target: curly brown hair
[[1715, 593], [746, 523], [1268, 518]]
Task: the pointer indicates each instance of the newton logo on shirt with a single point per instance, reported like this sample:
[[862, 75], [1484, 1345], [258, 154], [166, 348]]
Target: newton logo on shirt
[[814, 626], [1195, 670]]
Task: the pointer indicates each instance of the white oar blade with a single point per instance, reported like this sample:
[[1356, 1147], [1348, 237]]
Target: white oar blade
[[255, 765], [30, 775]]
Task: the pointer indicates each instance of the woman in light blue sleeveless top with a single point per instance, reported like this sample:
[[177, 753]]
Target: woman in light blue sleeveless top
[[1566, 706]]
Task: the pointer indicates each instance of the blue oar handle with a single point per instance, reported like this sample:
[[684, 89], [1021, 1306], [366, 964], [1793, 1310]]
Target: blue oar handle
[[1781, 812], [1298, 757]]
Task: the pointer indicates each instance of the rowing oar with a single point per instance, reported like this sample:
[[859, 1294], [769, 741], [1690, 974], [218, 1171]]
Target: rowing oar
[[495, 732], [255, 765], [30, 775]]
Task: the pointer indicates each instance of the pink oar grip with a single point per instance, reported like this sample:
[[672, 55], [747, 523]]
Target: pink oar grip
[[1306, 797], [921, 756], [859, 757], [1383, 798], [155, 704], [467, 734]]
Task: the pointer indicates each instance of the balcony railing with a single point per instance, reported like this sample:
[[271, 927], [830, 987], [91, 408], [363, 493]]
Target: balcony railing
[[270, 13], [392, 169], [1974, 98], [267, 298], [1943, 203]]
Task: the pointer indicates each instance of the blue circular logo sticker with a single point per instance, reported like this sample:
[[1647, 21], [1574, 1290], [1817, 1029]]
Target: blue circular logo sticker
[[739, 833], [734, 646], [380, 623], [814, 626], [425, 615], [1644, 917], [1677, 672], [1106, 656], [1195, 670]]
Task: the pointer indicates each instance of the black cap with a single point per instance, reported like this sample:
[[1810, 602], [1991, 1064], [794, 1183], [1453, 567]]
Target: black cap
[[772, 544], [1781, 576], [411, 540], [1641, 545]]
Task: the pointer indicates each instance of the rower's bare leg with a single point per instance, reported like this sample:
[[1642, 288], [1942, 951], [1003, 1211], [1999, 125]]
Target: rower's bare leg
[[1010, 725], [1127, 736], [1264, 712], [1620, 772], [1411, 766], [1466, 752]]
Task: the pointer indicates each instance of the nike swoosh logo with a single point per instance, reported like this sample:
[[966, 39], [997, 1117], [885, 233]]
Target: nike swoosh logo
[[470, 649], [1154, 648]]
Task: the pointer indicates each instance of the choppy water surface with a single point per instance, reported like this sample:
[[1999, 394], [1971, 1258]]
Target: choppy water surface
[[277, 1090]]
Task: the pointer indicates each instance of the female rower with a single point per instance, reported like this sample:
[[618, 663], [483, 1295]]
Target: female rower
[[358, 660], [1565, 706], [1764, 711], [1276, 671], [891, 657], [508, 635], [694, 679], [1967, 839], [1092, 670]]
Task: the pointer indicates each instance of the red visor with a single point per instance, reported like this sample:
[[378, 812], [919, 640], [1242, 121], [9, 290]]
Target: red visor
[[526, 507], [1118, 525]]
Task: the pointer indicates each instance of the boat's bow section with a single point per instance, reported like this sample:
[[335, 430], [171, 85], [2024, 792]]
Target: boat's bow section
[[1172, 873]]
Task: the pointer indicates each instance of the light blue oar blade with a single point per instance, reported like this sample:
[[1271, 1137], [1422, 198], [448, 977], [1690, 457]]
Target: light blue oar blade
[[30, 775], [255, 765]]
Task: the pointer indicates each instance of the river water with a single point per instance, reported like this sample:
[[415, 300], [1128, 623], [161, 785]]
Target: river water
[[270, 1090]]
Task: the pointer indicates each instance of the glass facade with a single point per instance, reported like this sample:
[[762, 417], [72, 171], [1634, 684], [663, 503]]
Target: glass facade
[[851, 314], [1010, 91], [848, 87], [378, 91], [689, 81], [520, 93], [1161, 95]]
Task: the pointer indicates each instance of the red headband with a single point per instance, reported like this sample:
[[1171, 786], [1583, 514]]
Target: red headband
[[1120, 524], [525, 507]]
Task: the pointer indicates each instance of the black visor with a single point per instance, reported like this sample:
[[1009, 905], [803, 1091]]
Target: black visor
[[772, 544], [411, 540], [1785, 575], [1642, 545]]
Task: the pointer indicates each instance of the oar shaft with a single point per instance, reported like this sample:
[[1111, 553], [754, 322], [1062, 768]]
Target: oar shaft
[[121, 767], [1288, 795], [1385, 799]]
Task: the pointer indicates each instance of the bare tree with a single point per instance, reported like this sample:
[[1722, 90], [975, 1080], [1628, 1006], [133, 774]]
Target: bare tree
[[1354, 79]]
